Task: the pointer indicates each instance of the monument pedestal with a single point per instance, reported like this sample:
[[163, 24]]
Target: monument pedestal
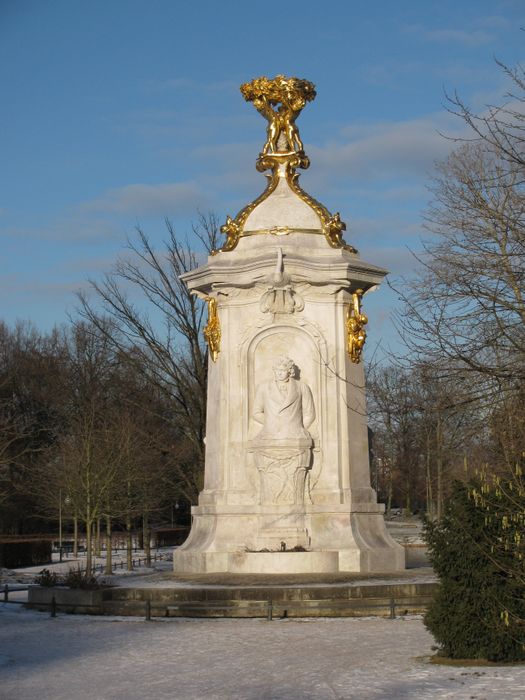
[[360, 544], [313, 494], [287, 483]]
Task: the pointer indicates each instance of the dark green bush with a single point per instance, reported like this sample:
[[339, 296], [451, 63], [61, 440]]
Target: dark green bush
[[15, 553], [479, 610]]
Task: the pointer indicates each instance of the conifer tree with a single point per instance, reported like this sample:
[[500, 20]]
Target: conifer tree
[[479, 610]]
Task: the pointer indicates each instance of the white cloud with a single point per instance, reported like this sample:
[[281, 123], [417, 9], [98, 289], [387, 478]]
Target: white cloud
[[392, 193], [494, 22], [383, 228], [184, 83], [70, 228], [399, 261], [469, 38], [109, 216], [231, 166], [460, 36], [386, 149], [41, 288], [151, 200]]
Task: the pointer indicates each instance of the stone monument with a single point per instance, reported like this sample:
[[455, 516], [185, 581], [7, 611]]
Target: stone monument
[[287, 482]]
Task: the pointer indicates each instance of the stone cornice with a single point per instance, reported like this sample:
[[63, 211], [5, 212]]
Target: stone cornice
[[327, 268]]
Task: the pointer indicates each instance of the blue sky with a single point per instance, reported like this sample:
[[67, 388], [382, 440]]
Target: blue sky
[[119, 113]]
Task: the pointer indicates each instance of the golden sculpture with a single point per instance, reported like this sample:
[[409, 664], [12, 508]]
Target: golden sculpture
[[291, 94], [280, 100], [232, 231], [212, 330], [355, 331]]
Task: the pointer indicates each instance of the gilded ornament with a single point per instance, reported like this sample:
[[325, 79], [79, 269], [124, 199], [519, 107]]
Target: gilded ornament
[[280, 101], [355, 327], [232, 232], [333, 226], [212, 330]]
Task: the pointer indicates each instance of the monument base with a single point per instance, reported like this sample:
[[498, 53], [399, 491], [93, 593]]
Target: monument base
[[341, 561], [336, 542]]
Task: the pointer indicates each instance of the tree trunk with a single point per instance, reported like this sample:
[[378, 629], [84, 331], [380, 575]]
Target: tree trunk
[[98, 539], [109, 553], [75, 536], [439, 468], [430, 504], [129, 543], [390, 493], [146, 538], [89, 547]]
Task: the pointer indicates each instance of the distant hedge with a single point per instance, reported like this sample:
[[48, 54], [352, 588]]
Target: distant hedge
[[30, 552], [171, 536]]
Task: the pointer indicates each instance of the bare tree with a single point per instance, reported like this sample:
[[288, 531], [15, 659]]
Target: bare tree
[[393, 412], [499, 127], [30, 381], [161, 333], [467, 305], [465, 311], [424, 428]]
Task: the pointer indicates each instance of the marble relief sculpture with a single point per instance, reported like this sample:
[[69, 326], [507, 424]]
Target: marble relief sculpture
[[283, 448], [280, 296]]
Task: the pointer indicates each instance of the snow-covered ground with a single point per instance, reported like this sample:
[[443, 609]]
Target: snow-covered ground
[[405, 530], [159, 575], [163, 562], [103, 658]]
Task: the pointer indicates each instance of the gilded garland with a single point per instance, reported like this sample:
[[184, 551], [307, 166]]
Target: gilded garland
[[280, 101], [355, 327], [212, 330]]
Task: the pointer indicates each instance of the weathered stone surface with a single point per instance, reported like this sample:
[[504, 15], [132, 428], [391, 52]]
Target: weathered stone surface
[[70, 599]]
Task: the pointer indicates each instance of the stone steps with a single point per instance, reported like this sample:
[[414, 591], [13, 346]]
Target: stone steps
[[265, 601], [385, 600]]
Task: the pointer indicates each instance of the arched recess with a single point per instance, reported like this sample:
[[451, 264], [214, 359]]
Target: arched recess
[[304, 343]]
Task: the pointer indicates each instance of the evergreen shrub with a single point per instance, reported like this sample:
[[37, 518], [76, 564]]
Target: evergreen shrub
[[479, 609]]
